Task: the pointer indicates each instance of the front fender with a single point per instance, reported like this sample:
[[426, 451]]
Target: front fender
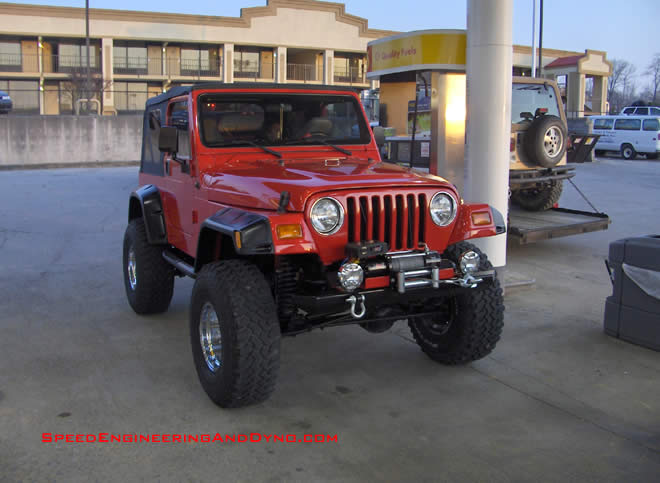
[[472, 223], [145, 202]]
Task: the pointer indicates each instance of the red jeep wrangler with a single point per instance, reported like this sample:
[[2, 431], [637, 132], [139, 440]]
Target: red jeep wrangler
[[275, 200]]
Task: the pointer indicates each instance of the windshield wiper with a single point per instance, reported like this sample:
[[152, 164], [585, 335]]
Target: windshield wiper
[[316, 139], [334, 146], [238, 142]]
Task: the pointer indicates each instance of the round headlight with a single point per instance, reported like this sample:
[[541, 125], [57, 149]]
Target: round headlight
[[469, 262], [350, 276], [327, 216], [443, 209]]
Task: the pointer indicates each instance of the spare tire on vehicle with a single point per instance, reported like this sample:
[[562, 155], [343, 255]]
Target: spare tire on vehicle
[[545, 141]]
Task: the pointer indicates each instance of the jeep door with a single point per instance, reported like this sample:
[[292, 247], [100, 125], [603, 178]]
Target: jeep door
[[179, 180]]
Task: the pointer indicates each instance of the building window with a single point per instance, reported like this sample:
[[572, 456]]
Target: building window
[[200, 61], [130, 96], [10, 56], [350, 68], [130, 58], [73, 57], [247, 62]]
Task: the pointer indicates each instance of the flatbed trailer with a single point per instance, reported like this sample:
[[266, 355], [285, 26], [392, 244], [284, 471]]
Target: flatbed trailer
[[533, 226]]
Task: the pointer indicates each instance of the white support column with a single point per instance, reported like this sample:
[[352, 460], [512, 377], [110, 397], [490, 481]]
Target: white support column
[[40, 58], [329, 67], [489, 66], [281, 65], [107, 76], [228, 64]]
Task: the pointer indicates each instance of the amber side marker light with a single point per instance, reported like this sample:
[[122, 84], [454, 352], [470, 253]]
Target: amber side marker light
[[289, 231], [480, 219], [237, 238]]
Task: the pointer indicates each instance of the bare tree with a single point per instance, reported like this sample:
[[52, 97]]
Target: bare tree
[[77, 87], [620, 83], [653, 70]]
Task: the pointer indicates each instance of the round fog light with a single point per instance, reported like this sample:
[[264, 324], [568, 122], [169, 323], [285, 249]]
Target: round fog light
[[469, 262], [350, 276]]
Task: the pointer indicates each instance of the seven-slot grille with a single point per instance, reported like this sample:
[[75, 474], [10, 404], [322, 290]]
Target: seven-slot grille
[[396, 219]]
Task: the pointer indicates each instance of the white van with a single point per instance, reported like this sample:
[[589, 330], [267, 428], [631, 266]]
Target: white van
[[628, 135]]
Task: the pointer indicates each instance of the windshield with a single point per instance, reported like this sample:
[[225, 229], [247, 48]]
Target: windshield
[[530, 97], [277, 119]]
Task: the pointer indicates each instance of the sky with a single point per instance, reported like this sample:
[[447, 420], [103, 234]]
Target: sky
[[625, 29]]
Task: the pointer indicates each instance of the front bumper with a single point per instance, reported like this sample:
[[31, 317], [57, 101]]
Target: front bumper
[[401, 278]]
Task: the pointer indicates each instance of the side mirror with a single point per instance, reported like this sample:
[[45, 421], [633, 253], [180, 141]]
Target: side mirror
[[379, 135], [168, 139]]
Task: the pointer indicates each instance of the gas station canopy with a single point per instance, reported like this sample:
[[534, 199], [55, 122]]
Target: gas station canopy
[[443, 50]]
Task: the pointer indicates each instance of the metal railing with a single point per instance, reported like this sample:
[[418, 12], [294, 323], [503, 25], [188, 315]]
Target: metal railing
[[263, 70], [194, 67], [71, 63], [304, 72], [351, 76], [174, 67], [52, 64], [28, 63]]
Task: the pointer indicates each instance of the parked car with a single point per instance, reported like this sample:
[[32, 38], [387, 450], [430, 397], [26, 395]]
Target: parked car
[[275, 200], [5, 103], [627, 135], [641, 111]]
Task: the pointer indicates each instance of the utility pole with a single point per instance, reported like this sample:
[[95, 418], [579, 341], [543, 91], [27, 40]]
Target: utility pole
[[533, 38], [540, 38], [88, 83]]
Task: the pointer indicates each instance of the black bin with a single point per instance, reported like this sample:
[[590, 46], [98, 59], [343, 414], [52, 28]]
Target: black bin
[[632, 312]]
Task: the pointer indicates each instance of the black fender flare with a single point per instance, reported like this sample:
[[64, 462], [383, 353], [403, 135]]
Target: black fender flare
[[250, 234], [145, 202]]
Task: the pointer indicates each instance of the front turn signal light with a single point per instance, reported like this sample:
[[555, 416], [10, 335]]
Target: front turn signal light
[[289, 231], [481, 218]]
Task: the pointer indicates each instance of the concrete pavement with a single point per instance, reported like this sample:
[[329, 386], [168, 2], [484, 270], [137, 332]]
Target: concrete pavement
[[557, 400]]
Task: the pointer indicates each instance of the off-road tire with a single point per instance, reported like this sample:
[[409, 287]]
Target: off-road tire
[[249, 328], [536, 145], [628, 152], [538, 199], [477, 319], [154, 276]]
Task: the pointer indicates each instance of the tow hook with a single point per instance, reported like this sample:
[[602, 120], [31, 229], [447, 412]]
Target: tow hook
[[469, 281], [359, 300]]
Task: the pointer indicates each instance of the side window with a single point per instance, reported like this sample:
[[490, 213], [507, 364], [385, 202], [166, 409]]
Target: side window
[[179, 120], [642, 111], [627, 124], [655, 111], [651, 125], [603, 123], [629, 110]]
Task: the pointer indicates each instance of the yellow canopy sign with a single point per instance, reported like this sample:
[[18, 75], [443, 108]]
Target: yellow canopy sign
[[420, 50]]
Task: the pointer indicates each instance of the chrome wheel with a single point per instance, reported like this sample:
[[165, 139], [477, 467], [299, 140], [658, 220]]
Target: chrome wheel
[[132, 269], [553, 141], [210, 337]]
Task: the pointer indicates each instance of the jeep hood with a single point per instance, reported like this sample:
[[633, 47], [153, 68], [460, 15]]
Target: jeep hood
[[258, 184]]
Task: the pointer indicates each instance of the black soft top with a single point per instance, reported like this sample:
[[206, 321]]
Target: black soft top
[[183, 90]]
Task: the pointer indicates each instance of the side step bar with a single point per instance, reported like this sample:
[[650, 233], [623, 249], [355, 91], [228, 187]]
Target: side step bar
[[180, 265]]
